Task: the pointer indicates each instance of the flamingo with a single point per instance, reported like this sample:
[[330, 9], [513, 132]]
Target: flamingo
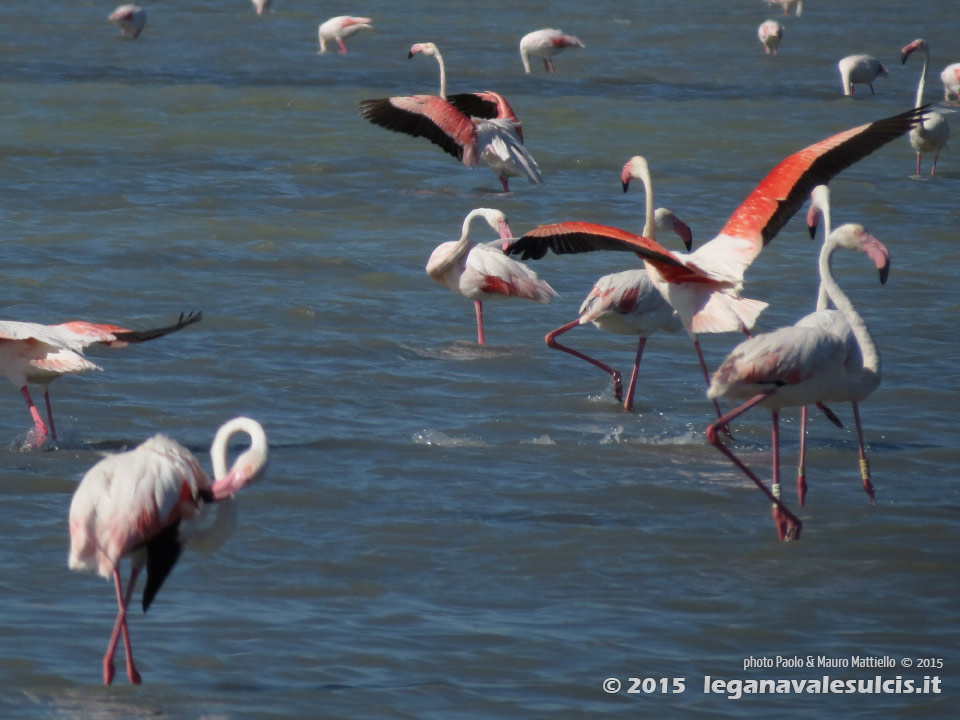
[[469, 126], [34, 353], [130, 19], [340, 27], [483, 272], [788, 5], [931, 135], [951, 82], [132, 505], [704, 285], [859, 69], [545, 44], [262, 6], [770, 32], [627, 303], [834, 322], [800, 365]]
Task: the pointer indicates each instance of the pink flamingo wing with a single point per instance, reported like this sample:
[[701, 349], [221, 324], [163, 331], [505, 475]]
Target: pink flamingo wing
[[427, 116]]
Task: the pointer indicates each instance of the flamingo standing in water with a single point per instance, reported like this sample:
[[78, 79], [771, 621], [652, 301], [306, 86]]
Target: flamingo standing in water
[[801, 365], [788, 5], [627, 303], [483, 272], [34, 353], [770, 33], [545, 44], [133, 505], [337, 28], [130, 19], [834, 322], [932, 134], [704, 285], [951, 82], [470, 126], [859, 69]]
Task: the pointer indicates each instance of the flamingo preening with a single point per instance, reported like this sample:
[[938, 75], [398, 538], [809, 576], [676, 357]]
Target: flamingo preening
[[337, 28], [859, 69], [770, 33], [142, 504], [484, 272], [932, 134], [131, 20], [34, 353], [545, 44], [800, 365], [470, 126]]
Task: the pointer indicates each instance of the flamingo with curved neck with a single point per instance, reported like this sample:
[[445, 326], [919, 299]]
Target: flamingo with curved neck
[[932, 134]]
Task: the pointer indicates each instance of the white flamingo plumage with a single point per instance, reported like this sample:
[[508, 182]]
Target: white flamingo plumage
[[859, 69], [39, 354], [337, 28], [263, 6], [483, 272], [800, 365], [950, 77], [545, 44], [471, 127], [932, 134], [788, 5], [130, 18], [770, 33], [139, 504]]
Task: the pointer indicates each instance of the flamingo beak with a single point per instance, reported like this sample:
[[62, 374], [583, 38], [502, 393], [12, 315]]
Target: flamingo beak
[[504, 230], [813, 219], [876, 251], [625, 177], [683, 230]]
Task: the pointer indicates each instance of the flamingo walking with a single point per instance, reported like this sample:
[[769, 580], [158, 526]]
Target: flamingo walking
[[627, 303], [788, 5], [34, 353], [471, 127], [932, 134], [770, 33], [859, 69], [545, 44], [337, 28], [130, 19], [140, 504], [951, 82], [262, 6], [483, 272], [800, 365]]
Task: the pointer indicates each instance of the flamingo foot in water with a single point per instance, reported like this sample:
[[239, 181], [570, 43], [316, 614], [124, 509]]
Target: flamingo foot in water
[[617, 385]]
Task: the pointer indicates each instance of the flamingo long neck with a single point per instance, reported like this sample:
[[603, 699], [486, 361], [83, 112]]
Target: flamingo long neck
[[868, 349], [251, 462], [650, 220], [443, 74], [823, 299], [923, 77]]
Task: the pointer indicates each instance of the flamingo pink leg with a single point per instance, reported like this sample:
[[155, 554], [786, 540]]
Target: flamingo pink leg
[[478, 306], [39, 427], [548, 64], [123, 600], [505, 182], [343, 48], [802, 462], [918, 163], [788, 525], [706, 376], [628, 403], [53, 428], [864, 463], [933, 169], [551, 341]]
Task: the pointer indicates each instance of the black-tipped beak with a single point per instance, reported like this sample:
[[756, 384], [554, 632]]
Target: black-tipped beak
[[884, 272], [813, 231], [903, 58], [626, 186], [409, 55]]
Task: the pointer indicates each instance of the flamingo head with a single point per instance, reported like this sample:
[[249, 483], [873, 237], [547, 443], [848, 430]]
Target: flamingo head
[[636, 167], [425, 48], [908, 50], [854, 236], [666, 220], [819, 201], [496, 219]]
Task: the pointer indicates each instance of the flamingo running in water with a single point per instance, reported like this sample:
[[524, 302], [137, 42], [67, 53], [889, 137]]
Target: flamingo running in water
[[788, 5], [627, 303], [469, 126], [337, 28], [833, 321], [770, 33], [932, 134], [34, 353], [483, 272], [130, 19], [545, 44], [859, 69], [800, 365], [704, 285], [951, 82], [140, 504]]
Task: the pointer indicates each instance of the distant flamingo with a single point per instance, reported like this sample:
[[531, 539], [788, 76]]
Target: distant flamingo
[[469, 126], [931, 135], [859, 69], [788, 5], [627, 303], [834, 322], [951, 82], [483, 272], [545, 44], [337, 28], [770, 33], [130, 19], [800, 365], [132, 505], [262, 6], [34, 353]]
